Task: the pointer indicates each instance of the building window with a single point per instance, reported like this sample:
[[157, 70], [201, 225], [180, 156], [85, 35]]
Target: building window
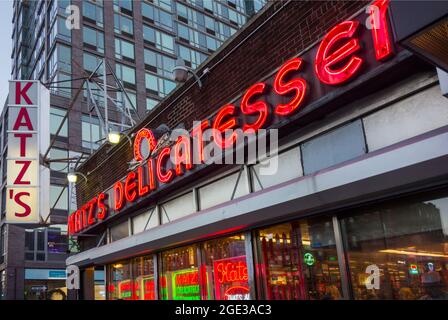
[[143, 274], [93, 39], [226, 269], [298, 261], [56, 153], [407, 242], [158, 86], [120, 281], [145, 221], [158, 63], [151, 103], [58, 197], [158, 17], [123, 6], [179, 276], [56, 117], [123, 25], [124, 50], [191, 57], [119, 231], [158, 39], [91, 132], [93, 12], [126, 75], [91, 61]]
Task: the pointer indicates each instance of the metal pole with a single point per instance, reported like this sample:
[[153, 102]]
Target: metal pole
[[106, 112], [341, 259]]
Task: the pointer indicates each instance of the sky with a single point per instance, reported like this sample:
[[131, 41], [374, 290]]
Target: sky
[[5, 48]]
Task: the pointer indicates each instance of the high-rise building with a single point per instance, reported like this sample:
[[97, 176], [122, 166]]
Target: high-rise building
[[60, 42]]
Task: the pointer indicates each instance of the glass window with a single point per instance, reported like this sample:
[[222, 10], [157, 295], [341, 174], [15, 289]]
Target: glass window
[[123, 6], [91, 132], [126, 74], [405, 244], [57, 240], [298, 261], [56, 117], [90, 62], [143, 273], [158, 63], [124, 49], [179, 276], [123, 25], [147, 220], [93, 39], [93, 12], [226, 269], [151, 103], [55, 154], [158, 39], [60, 192], [120, 281], [158, 86], [119, 231]]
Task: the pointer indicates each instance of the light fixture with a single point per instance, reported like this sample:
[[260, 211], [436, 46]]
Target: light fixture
[[180, 72], [114, 137], [72, 176]]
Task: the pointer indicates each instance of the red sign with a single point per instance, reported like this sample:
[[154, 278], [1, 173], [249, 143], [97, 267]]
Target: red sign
[[339, 58], [231, 279]]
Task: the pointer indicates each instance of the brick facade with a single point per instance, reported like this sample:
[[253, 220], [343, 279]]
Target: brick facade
[[280, 31]]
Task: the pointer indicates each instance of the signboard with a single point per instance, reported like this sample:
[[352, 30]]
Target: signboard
[[349, 50], [28, 136], [185, 285], [231, 279]]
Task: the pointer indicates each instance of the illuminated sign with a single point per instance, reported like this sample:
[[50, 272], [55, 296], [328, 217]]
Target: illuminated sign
[[344, 52], [185, 285], [28, 137], [231, 279], [125, 290], [413, 269], [309, 259]]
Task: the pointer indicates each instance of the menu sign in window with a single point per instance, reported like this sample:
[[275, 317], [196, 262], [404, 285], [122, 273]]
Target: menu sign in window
[[28, 137], [185, 285]]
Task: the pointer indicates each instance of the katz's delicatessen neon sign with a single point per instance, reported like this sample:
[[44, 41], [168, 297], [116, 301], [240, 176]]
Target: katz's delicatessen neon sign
[[350, 48]]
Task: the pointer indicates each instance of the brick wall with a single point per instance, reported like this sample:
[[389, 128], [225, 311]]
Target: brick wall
[[291, 30]]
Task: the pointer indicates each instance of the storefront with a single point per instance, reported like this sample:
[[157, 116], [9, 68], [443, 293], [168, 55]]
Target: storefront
[[356, 208]]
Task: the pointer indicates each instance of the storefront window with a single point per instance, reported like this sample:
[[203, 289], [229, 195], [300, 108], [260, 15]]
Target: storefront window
[[298, 260], [399, 251], [144, 287], [226, 269], [120, 285], [179, 279]]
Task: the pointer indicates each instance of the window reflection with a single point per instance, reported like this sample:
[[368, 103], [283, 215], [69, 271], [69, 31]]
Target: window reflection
[[298, 260], [409, 245], [120, 284]]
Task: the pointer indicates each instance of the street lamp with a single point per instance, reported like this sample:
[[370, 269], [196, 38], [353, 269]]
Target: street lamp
[[180, 72], [72, 176], [114, 137]]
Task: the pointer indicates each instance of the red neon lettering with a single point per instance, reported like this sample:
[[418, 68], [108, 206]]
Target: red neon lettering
[[198, 144], [118, 195], [149, 137], [84, 212], [168, 175], [21, 93], [259, 106], [78, 220], [130, 186], [23, 137], [231, 271], [18, 200], [102, 208], [329, 54], [142, 188], [182, 154], [227, 110], [91, 218], [297, 85], [380, 29], [71, 224], [23, 115], [152, 183], [26, 165]]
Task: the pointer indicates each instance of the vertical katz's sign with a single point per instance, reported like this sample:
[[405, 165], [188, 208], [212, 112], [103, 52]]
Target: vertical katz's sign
[[28, 136]]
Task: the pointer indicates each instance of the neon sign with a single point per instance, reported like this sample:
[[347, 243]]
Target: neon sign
[[339, 58], [185, 285], [231, 279]]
